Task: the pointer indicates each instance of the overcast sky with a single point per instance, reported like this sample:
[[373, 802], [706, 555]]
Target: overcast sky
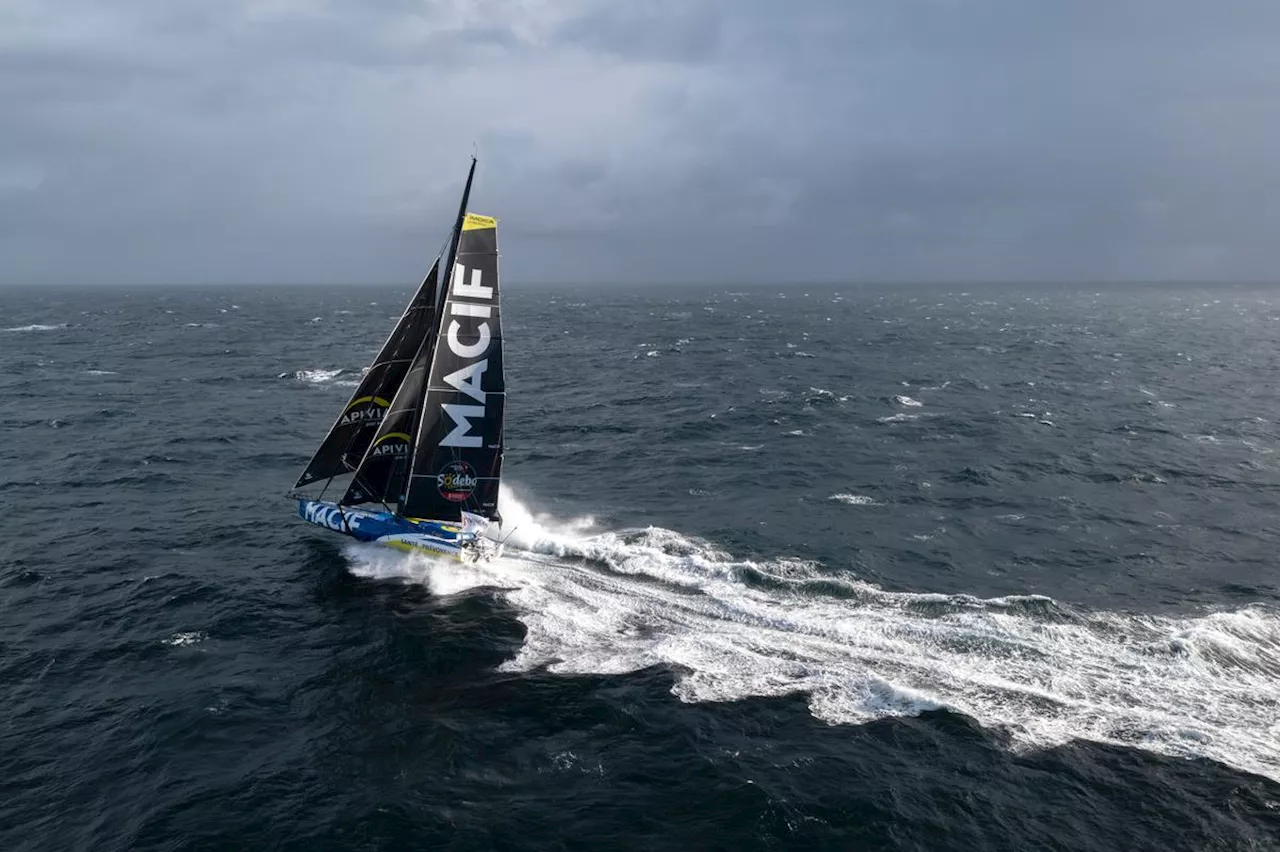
[[191, 141]]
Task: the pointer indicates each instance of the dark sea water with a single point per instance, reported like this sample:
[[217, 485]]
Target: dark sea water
[[989, 568]]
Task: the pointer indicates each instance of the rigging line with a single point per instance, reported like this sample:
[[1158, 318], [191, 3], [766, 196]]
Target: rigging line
[[442, 285], [444, 244], [441, 301], [357, 479], [351, 441]]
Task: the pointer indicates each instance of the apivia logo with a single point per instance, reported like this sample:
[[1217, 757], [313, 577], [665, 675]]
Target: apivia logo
[[364, 414], [368, 409], [469, 379], [392, 444], [456, 481]]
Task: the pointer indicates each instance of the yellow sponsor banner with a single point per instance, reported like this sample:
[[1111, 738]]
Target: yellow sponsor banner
[[476, 222]]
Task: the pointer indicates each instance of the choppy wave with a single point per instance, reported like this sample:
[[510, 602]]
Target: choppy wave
[[604, 602], [149, 570], [180, 640], [37, 327], [854, 499], [316, 376]]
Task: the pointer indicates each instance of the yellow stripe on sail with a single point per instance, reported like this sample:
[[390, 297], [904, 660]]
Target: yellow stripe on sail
[[376, 400], [476, 222]]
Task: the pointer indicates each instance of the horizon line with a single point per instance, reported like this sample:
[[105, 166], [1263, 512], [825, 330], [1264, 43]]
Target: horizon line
[[624, 283]]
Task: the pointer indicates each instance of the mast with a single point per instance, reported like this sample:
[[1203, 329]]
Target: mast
[[457, 238], [433, 338], [383, 470]]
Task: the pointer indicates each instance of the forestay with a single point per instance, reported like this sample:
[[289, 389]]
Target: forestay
[[342, 449]]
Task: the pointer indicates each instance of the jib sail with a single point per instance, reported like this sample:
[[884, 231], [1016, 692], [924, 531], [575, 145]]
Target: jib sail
[[457, 455], [380, 476], [353, 432]]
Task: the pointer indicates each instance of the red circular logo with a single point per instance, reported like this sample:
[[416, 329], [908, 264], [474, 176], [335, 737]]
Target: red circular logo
[[456, 481]]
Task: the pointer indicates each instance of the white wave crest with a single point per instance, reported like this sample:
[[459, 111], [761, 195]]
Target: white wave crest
[[317, 376], [854, 500], [179, 640], [21, 328], [908, 401], [601, 602]]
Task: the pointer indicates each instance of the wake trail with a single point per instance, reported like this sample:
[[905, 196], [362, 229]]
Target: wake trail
[[609, 602]]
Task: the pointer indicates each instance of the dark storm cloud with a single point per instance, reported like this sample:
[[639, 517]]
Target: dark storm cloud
[[708, 139]]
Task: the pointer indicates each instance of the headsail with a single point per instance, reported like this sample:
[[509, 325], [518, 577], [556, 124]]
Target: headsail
[[352, 433], [380, 476], [457, 456]]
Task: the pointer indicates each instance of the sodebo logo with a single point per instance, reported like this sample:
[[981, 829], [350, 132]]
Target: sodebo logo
[[457, 481]]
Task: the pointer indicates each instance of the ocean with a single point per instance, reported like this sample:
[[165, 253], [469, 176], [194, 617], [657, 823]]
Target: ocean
[[925, 567]]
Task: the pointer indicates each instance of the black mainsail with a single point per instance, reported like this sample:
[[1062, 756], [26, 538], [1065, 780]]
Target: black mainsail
[[342, 449], [457, 454]]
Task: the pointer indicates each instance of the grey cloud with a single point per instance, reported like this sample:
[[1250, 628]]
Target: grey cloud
[[664, 29], [894, 139]]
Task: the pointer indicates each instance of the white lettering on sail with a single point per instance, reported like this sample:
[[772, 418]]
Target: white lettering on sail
[[470, 309], [474, 350], [474, 290], [368, 414], [461, 425], [469, 379]]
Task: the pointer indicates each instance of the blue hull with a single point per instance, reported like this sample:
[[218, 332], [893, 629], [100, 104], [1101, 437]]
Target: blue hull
[[386, 528]]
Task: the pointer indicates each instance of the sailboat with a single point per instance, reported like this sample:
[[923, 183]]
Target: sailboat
[[418, 446]]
